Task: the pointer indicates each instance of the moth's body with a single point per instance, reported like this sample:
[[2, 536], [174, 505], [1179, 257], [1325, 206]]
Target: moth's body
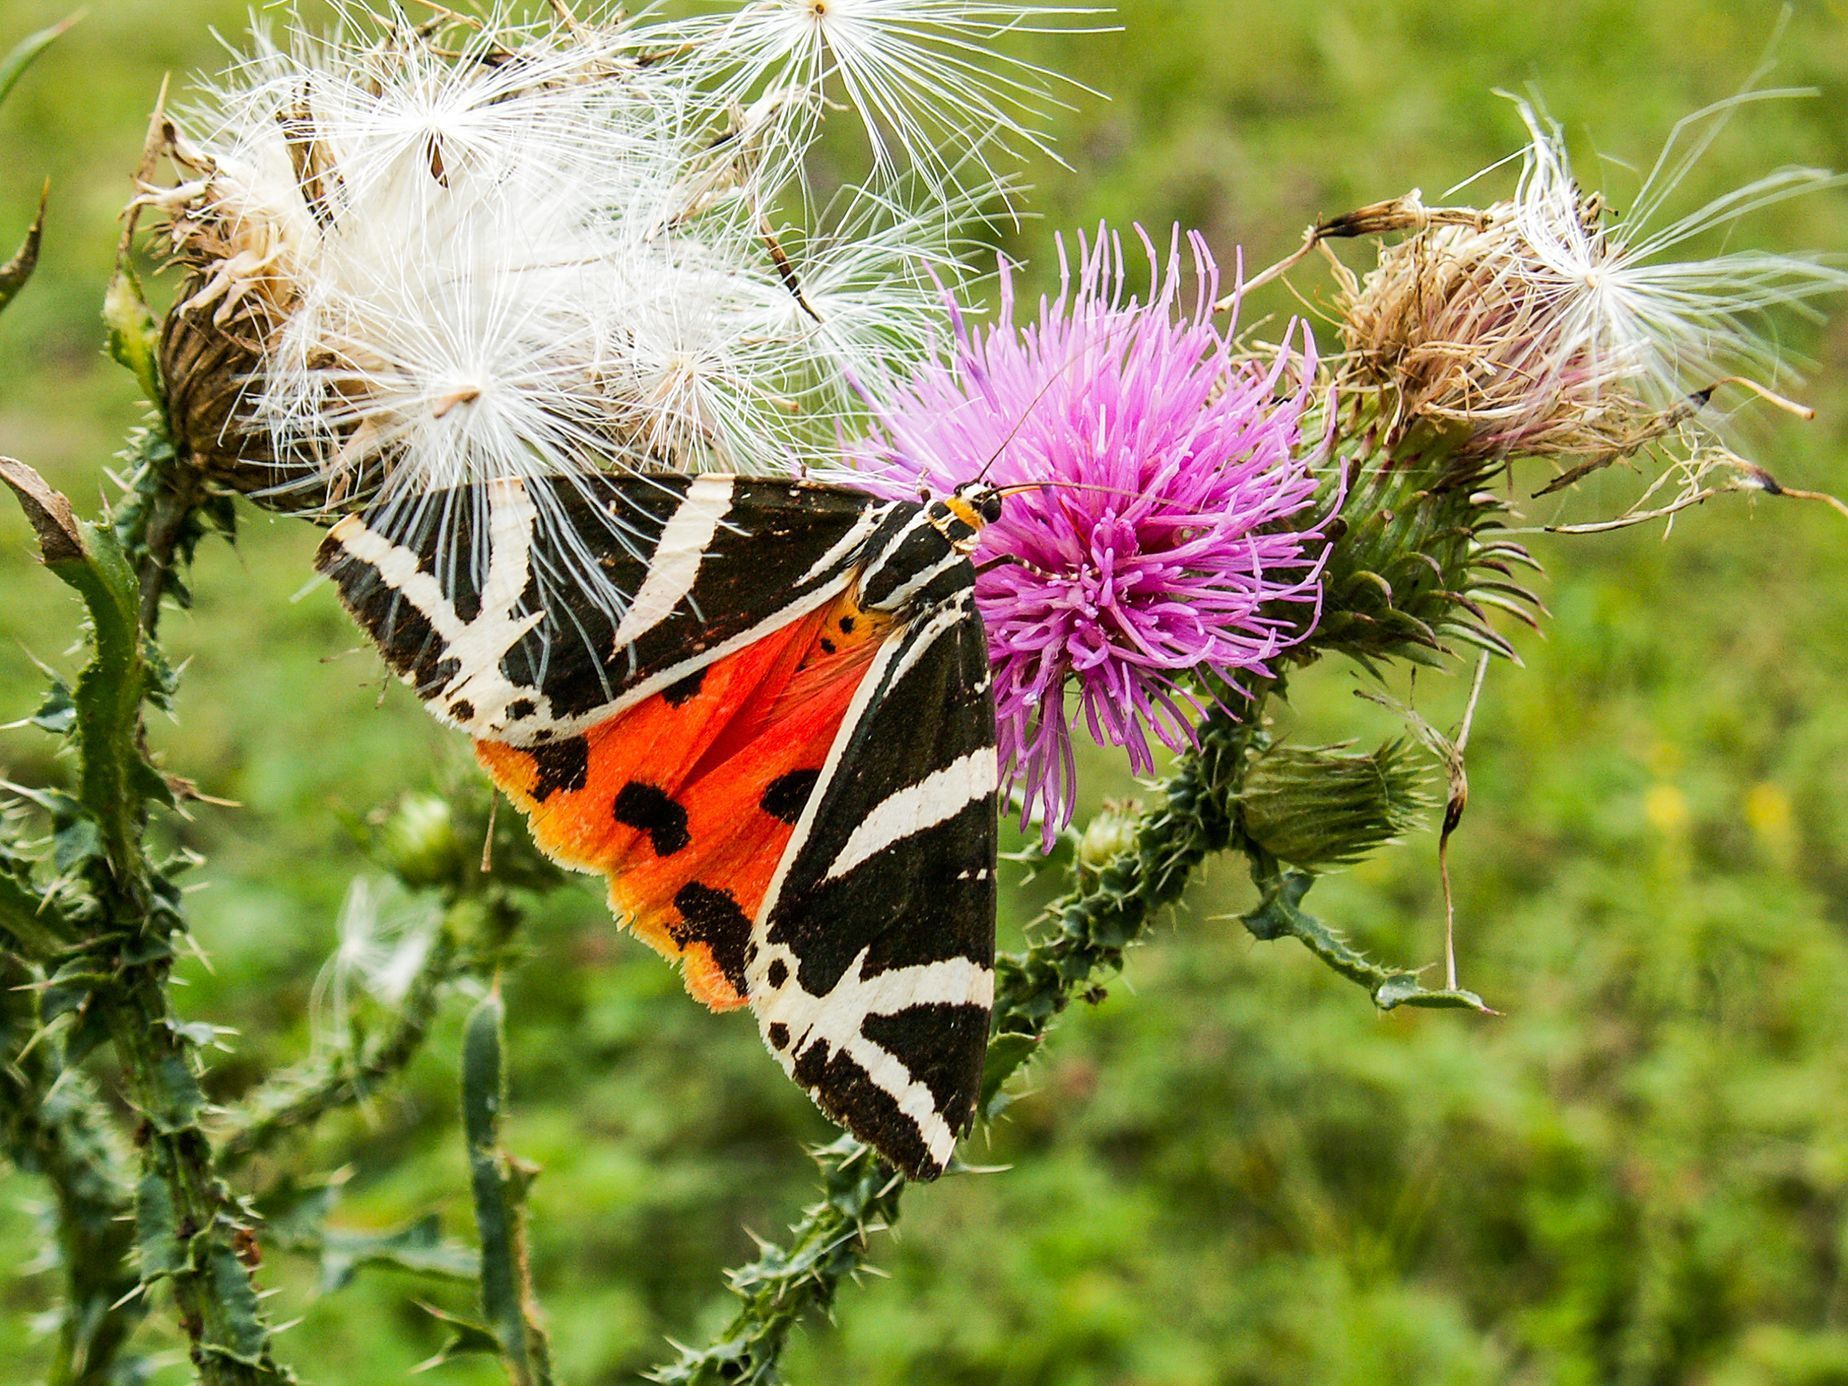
[[780, 752]]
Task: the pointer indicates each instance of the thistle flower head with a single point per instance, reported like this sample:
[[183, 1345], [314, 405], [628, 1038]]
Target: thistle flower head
[[1160, 532], [424, 258], [1548, 325]]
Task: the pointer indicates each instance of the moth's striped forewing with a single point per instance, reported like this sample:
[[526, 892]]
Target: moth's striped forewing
[[793, 795], [873, 973]]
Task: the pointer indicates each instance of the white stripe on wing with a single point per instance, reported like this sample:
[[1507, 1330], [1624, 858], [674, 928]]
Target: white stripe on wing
[[940, 795], [674, 567]]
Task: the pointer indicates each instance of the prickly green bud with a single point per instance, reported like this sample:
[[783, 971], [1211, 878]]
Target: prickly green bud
[[1317, 807], [1108, 835], [419, 843], [1418, 559]]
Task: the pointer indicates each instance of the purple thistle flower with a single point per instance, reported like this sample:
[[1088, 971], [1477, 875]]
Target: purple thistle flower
[[1158, 546]]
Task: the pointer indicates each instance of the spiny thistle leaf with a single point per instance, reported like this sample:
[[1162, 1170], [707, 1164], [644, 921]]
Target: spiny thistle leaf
[[49, 513], [134, 336], [467, 1338], [32, 919], [500, 1182], [24, 53], [115, 781], [157, 1229], [296, 1213], [16, 271], [53, 1124], [418, 1247], [1279, 914]]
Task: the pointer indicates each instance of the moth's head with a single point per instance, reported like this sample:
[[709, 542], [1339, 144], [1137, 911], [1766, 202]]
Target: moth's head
[[975, 503]]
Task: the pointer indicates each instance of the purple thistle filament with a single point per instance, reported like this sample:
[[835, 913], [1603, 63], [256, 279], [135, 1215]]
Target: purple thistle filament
[[1160, 542]]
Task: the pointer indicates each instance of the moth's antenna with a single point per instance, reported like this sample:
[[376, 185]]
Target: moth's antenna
[[1021, 422], [1168, 501], [1020, 486], [1130, 320]]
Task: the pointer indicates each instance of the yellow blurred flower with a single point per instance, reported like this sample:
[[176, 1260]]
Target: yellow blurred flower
[[1665, 808], [1768, 813]]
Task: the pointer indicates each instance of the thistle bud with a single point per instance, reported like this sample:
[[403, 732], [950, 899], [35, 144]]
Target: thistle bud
[[1108, 835], [214, 342], [1462, 322], [1318, 807], [1418, 562], [418, 843]]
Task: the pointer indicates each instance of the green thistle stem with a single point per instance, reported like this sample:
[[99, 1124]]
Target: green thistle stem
[[53, 1125], [499, 1182], [1090, 930], [188, 1229], [297, 1098]]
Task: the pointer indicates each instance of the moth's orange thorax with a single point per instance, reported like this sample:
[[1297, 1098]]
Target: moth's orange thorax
[[963, 511]]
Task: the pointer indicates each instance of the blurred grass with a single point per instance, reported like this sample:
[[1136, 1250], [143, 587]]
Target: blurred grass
[[1233, 1171]]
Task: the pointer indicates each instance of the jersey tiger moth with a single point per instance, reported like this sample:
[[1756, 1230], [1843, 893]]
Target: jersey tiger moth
[[780, 753]]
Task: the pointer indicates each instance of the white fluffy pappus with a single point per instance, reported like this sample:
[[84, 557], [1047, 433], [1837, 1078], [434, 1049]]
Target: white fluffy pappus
[[1626, 311], [1652, 347], [922, 74], [422, 258], [383, 934]]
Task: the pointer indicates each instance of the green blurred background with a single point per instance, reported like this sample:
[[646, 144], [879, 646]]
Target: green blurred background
[[1232, 1170]]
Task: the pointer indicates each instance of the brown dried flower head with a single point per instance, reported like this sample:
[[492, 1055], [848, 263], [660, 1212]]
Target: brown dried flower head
[[1546, 326]]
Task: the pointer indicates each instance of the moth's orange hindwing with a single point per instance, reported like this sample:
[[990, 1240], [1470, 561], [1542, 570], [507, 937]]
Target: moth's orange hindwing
[[809, 821], [685, 801]]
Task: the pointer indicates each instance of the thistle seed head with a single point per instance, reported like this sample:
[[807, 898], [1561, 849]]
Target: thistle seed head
[[422, 259], [1546, 325]]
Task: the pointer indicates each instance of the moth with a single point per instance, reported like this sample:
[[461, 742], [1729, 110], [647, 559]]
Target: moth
[[780, 753]]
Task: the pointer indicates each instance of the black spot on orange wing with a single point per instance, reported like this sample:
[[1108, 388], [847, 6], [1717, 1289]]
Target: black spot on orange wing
[[562, 765], [785, 796], [648, 808], [712, 917], [687, 689]]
